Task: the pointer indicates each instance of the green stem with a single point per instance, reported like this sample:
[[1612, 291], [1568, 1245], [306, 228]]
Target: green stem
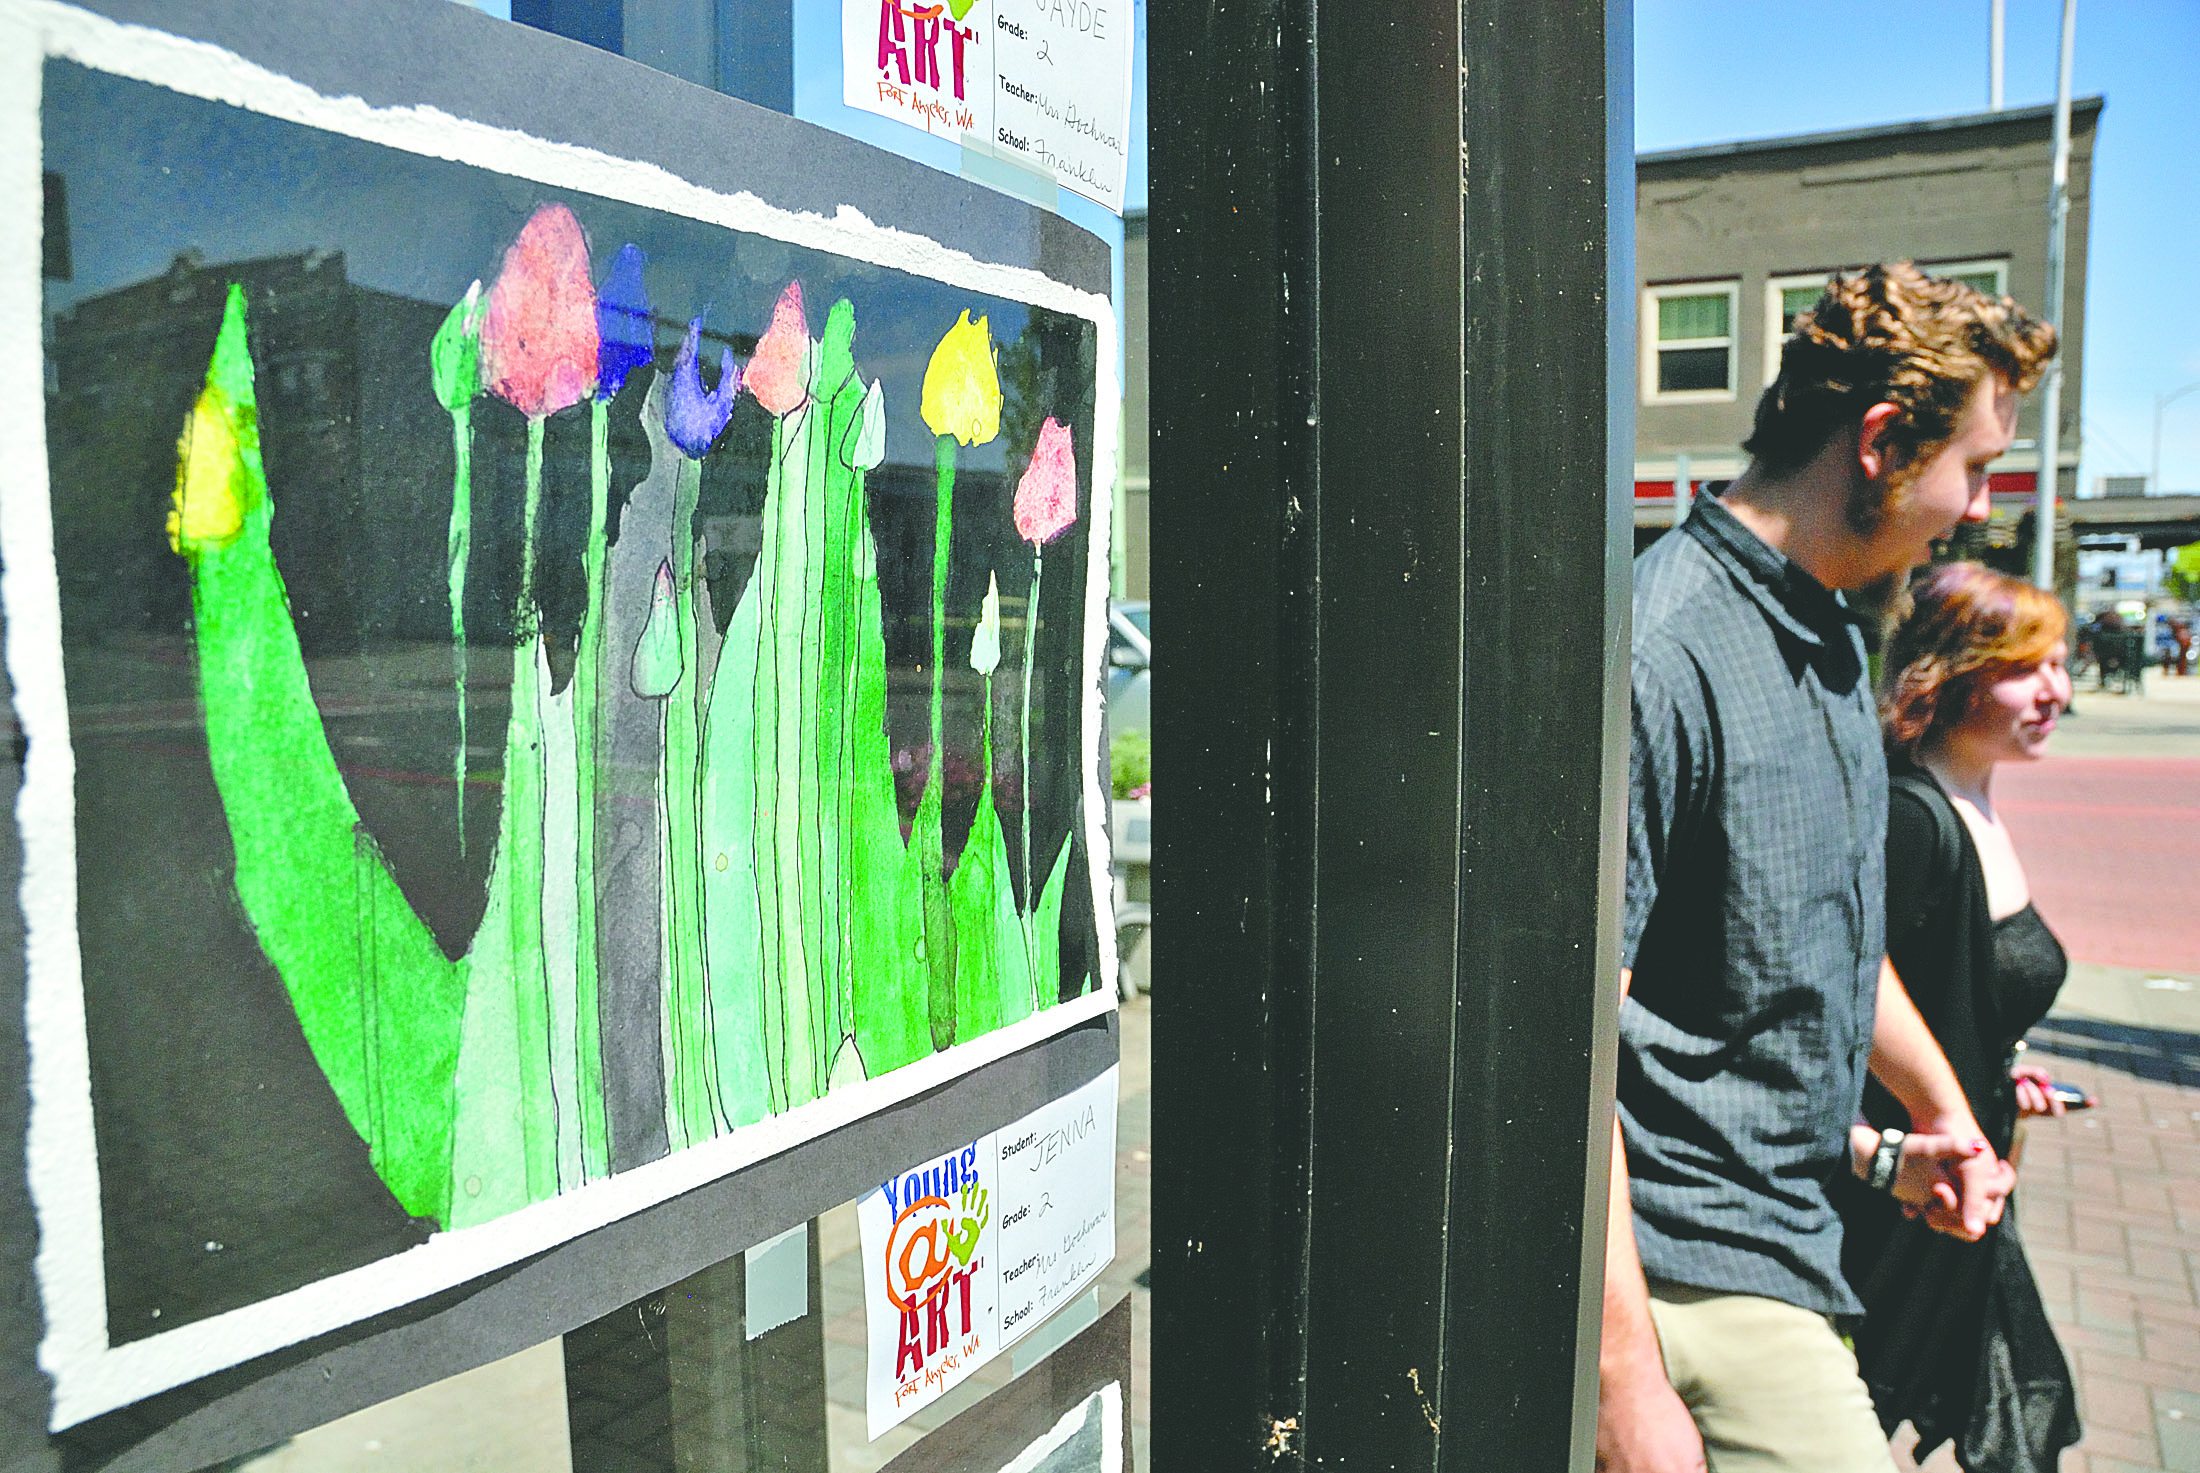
[[523, 825], [796, 505], [693, 1087], [930, 836], [1023, 750], [595, 1141], [461, 545], [672, 1027], [942, 533], [849, 613]]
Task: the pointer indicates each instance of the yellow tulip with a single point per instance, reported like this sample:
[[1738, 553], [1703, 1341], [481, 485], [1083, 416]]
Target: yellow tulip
[[209, 502], [962, 389]]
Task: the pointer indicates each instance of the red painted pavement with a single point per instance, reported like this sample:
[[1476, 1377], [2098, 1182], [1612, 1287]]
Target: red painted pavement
[[2112, 848]]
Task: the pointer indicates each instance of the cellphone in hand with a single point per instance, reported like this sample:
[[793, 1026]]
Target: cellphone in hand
[[2072, 1097]]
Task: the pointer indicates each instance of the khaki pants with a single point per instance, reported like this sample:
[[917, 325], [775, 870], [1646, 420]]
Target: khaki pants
[[1772, 1387]]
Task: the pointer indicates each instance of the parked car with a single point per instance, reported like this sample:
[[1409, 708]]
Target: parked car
[[1128, 730], [1130, 672]]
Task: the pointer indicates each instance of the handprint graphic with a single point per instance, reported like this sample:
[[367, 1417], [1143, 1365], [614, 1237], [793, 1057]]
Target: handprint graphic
[[977, 1208]]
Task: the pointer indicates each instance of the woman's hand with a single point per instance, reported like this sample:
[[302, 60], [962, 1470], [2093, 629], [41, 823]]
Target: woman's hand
[[2035, 1090], [1953, 1180]]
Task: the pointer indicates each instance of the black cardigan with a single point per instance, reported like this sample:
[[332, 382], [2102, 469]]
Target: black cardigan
[[1954, 1337]]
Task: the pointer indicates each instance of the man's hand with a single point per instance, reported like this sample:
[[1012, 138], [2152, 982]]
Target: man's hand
[[1952, 1179], [1644, 1427], [1909, 1063]]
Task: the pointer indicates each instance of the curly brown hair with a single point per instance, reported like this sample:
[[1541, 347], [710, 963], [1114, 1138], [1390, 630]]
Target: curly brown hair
[[1967, 625], [1890, 334]]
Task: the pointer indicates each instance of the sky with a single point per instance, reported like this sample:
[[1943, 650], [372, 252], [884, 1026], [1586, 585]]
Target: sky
[[1711, 70]]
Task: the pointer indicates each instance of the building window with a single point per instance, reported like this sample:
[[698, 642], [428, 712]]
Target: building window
[[1689, 350], [1794, 302], [1990, 277], [1787, 298]]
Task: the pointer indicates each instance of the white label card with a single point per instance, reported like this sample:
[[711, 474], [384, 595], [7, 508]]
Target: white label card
[[965, 1254], [1044, 84]]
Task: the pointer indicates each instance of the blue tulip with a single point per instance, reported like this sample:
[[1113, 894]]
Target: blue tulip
[[695, 417], [626, 338]]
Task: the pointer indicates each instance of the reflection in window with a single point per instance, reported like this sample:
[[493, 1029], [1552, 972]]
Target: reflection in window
[[1787, 298], [509, 1414], [1988, 277], [1794, 302], [743, 48]]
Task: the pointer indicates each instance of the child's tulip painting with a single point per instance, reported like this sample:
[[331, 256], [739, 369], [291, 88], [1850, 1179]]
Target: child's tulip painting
[[553, 684]]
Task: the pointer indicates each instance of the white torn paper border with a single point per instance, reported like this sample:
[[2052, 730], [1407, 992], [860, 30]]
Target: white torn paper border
[[776, 1282], [91, 1376], [1106, 1405]]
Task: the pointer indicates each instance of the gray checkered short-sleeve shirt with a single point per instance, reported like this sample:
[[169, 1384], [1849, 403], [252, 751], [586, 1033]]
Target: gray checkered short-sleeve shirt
[[1755, 914]]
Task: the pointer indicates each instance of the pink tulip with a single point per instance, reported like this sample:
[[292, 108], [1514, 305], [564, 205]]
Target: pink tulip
[[774, 374], [539, 334], [1046, 498]]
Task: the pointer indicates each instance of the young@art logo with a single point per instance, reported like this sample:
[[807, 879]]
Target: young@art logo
[[931, 1254], [909, 72]]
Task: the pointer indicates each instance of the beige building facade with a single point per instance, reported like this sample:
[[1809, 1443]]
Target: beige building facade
[[1734, 239]]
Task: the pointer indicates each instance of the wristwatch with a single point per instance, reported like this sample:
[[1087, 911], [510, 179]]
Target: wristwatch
[[1886, 1160]]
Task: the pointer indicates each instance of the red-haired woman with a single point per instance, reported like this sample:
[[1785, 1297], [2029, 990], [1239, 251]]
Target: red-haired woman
[[1955, 1339]]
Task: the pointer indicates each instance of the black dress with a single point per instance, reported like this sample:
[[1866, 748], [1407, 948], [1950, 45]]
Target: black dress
[[1954, 1338]]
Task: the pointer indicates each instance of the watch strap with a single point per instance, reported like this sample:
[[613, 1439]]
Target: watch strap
[[1886, 1160]]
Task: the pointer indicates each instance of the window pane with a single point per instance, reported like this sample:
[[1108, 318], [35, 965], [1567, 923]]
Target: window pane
[[1980, 281], [1794, 301], [1680, 318], [762, 1361], [1682, 369], [742, 50], [507, 1415]]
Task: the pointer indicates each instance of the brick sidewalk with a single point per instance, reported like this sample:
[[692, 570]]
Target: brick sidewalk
[[2110, 1203]]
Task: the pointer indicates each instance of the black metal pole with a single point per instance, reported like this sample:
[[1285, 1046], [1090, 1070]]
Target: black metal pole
[[1550, 375], [1391, 420], [1231, 95]]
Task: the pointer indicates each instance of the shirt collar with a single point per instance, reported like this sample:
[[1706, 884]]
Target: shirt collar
[[1789, 596]]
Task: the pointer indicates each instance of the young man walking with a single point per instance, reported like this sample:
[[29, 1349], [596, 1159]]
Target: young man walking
[[1757, 990]]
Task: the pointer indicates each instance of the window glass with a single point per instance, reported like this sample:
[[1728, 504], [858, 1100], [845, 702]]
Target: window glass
[[1695, 341], [504, 1417], [1787, 298], [1688, 370], [1794, 302], [739, 47], [1681, 318], [1989, 276]]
